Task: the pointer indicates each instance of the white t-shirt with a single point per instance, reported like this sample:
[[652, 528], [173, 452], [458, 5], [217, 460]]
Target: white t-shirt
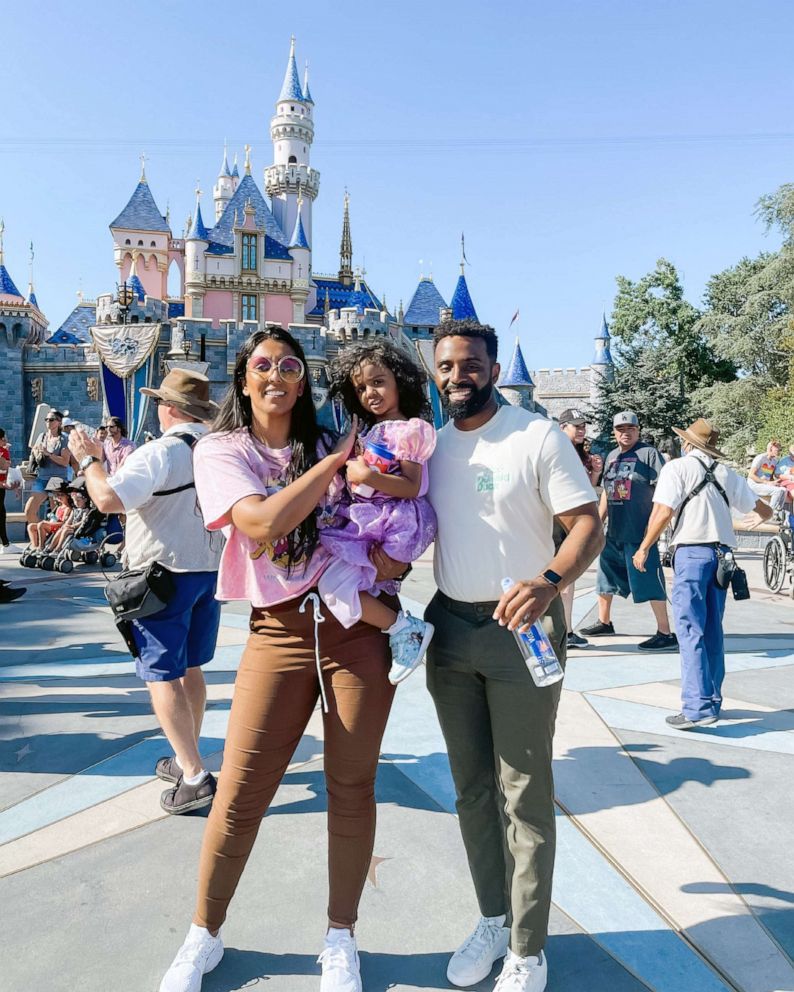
[[496, 491], [706, 517], [145, 470]]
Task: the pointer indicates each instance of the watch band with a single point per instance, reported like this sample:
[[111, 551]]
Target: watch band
[[88, 460], [552, 578]]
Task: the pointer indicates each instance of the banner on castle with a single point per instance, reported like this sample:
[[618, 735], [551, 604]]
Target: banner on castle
[[126, 361]]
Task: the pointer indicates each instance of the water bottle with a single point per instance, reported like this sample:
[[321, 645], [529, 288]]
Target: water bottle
[[379, 458], [536, 650]]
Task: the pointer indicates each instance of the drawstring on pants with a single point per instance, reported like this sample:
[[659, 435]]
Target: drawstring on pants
[[318, 619]]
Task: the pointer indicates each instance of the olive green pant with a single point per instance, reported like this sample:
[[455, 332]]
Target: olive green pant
[[498, 727]]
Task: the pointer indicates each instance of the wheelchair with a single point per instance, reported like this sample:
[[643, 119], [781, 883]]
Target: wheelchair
[[779, 558]]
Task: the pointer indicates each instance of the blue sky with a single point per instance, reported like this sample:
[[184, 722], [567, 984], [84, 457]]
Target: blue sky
[[571, 141]]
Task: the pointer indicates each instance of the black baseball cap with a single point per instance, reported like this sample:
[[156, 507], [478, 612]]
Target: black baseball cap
[[573, 416]]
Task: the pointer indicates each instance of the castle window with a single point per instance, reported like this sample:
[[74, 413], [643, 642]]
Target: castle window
[[128, 242], [153, 244], [292, 160], [249, 252], [140, 244], [249, 306]]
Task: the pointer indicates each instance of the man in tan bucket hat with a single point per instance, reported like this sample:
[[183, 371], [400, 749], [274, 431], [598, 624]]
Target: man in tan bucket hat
[[700, 494], [154, 487]]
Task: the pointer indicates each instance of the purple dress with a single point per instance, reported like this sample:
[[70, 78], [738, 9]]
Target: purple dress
[[404, 528]]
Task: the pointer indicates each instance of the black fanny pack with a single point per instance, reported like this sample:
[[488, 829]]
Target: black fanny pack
[[141, 592], [729, 575]]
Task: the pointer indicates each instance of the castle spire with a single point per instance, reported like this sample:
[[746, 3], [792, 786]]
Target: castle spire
[[143, 168], [2, 232], [31, 292], [225, 171], [198, 231], [346, 250], [307, 93], [291, 87], [299, 239], [7, 287], [602, 355], [248, 160], [516, 373]]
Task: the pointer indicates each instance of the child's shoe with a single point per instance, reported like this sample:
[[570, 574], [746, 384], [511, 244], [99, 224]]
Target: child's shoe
[[408, 639]]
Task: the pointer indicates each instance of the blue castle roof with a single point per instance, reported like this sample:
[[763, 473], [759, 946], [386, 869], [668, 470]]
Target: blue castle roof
[[176, 309], [7, 287], [198, 230], [604, 332], [340, 296], [291, 87], [32, 299], [225, 171], [137, 287], [307, 93], [516, 373], [223, 232], [423, 310], [235, 170], [299, 239], [141, 212], [75, 329], [602, 355], [462, 306]]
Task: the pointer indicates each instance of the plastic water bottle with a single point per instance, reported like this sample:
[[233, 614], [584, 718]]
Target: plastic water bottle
[[536, 650]]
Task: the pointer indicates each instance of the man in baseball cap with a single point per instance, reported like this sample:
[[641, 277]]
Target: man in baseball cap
[[630, 473]]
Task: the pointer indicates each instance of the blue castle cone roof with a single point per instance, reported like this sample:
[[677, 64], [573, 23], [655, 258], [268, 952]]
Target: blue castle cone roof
[[516, 373], [137, 287], [198, 231], [604, 332], [141, 212], [32, 299], [225, 171], [7, 287], [299, 239], [462, 306], [291, 88], [235, 170], [423, 310], [603, 356], [307, 93]]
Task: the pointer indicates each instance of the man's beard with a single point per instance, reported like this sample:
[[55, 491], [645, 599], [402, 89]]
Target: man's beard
[[471, 406]]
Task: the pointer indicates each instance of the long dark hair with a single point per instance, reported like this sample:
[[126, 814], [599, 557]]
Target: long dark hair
[[411, 379], [304, 431]]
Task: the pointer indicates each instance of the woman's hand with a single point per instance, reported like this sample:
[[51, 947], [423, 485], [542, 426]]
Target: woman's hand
[[388, 568], [358, 472], [344, 446]]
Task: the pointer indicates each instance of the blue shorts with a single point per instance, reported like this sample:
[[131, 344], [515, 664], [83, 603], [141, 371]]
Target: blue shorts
[[39, 485], [617, 576], [183, 635]]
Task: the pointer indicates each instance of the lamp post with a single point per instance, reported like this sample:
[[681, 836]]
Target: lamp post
[[125, 297], [186, 346]]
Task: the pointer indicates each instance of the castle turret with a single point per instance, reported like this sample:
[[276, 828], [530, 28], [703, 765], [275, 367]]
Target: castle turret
[[346, 248], [301, 267], [292, 133], [515, 383], [224, 187], [140, 226], [602, 364], [425, 311], [196, 244], [461, 304]]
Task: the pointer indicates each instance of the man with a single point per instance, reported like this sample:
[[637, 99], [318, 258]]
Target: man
[[761, 477], [154, 488], [499, 478], [101, 434], [50, 455], [630, 473], [117, 446], [703, 493]]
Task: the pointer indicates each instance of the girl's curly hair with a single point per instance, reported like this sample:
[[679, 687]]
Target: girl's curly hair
[[411, 379]]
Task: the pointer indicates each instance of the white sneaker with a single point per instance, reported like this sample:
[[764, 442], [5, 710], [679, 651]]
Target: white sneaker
[[522, 974], [340, 963], [474, 958], [200, 953], [10, 549], [408, 639]]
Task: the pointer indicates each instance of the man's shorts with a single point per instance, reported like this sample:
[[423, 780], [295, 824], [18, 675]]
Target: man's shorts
[[183, 635], [617, 576]]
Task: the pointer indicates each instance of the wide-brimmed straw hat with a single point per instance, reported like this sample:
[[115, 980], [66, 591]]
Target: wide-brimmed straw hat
[[702, 435], [187, 391]]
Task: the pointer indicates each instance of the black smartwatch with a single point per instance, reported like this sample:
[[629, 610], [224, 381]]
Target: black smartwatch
[[552, 578]]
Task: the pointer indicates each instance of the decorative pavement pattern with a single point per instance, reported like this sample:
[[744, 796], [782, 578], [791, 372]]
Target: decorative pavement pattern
[[675, 869]]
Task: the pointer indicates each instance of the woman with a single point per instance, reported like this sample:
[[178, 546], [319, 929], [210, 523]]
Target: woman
[[50, 456], [261, 476], [5, 465]]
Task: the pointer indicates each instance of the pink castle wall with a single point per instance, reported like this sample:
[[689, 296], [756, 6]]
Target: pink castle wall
[[219, 304], [151, 278], [278, 309]]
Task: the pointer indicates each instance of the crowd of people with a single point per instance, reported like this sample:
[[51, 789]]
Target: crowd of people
[[255, 501]]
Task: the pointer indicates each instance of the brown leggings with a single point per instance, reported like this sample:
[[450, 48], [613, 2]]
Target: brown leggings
[[277, 689]]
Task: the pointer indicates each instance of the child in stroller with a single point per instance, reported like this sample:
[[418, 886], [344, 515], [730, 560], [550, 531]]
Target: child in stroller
[[60, 512], [78, 540]]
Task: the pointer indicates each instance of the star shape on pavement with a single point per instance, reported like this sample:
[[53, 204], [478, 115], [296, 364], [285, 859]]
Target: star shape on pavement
[[23, 752], [372, 873]]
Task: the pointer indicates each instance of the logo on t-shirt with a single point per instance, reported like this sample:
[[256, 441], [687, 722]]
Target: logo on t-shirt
[[617, 480], [277, 551], [490, 479]]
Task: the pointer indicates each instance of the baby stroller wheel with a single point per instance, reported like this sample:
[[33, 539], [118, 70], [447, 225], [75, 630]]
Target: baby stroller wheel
[[48, 563], [27, 559], [107, 560], [65, 566], [91, 557]]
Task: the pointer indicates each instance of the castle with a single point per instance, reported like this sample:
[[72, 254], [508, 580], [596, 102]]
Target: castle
[[249, 263]]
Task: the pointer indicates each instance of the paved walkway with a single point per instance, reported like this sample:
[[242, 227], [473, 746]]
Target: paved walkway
[[674, 871]]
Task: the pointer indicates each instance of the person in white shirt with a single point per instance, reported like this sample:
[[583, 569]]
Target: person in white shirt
[[703, 493], [154, 487], [499, 478]]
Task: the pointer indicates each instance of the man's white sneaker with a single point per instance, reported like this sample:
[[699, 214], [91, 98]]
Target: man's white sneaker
[[474, 958], [200, 953], [339, 959], [522, 974]]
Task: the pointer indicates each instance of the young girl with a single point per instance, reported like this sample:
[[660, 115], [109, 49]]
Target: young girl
[[60, 514], [385, 505]]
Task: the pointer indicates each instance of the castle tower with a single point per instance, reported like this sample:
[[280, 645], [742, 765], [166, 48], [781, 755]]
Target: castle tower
[[602, 364], [225, 186], [292, 133], [196, 243], [346, 249], [425, 311], [300, 250], [461, 303], [235, 174], [140, 226], [515, 383]]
